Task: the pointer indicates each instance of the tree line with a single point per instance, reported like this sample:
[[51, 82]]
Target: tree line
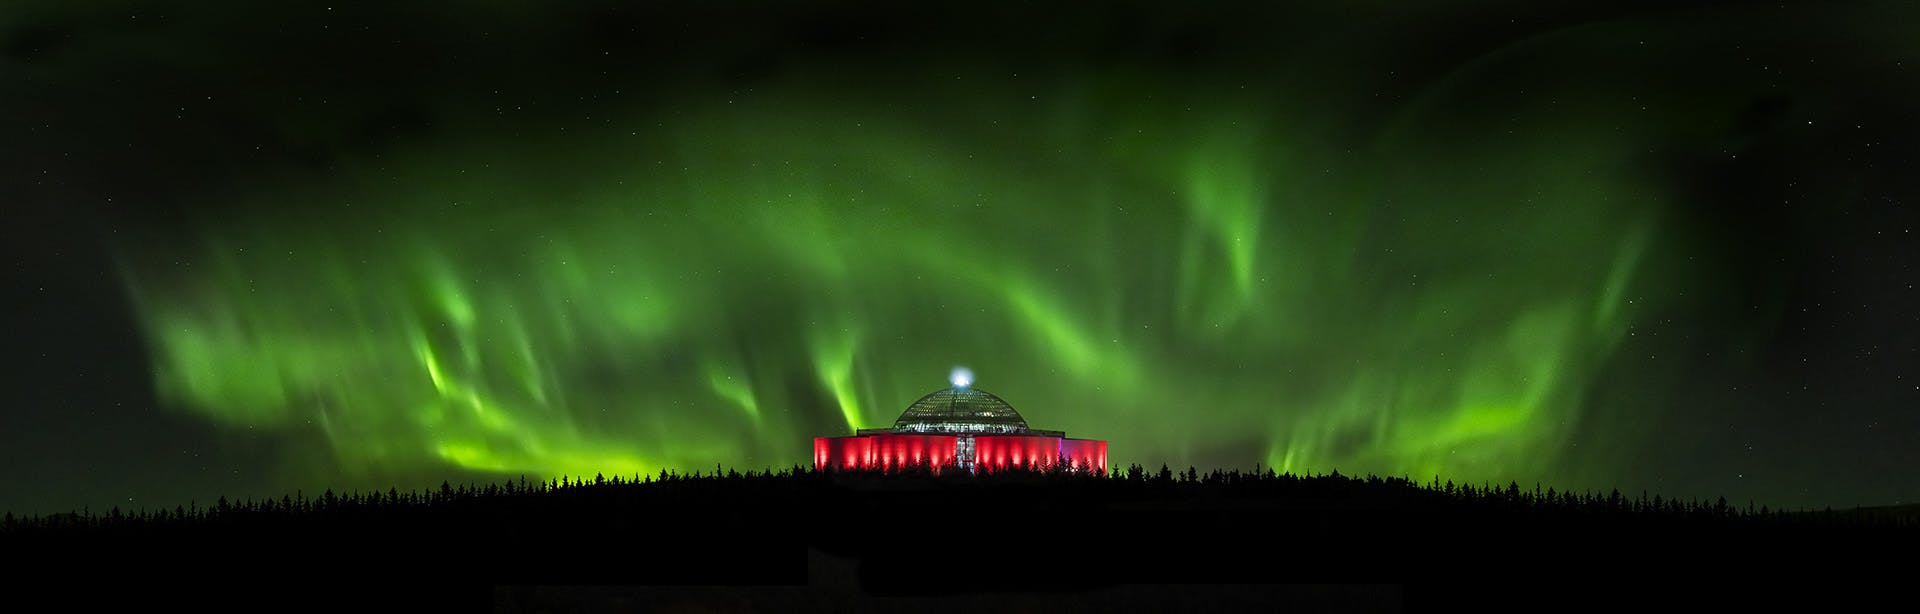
[[1135, 481]]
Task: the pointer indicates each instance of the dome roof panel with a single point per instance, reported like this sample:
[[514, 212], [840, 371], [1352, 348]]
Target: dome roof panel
[[958, 407]]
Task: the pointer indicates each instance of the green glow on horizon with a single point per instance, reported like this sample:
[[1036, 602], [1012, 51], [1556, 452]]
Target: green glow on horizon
[[1210, 287]]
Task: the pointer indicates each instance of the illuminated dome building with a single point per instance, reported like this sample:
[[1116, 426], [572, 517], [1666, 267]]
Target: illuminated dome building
[[959, 426]]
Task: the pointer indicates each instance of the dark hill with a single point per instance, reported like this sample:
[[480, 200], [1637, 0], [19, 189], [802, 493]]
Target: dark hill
[[761, 541]]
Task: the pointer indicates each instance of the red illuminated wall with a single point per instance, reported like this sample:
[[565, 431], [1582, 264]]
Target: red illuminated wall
[[884, 451], [1084, 453], [990, 452], [995, 452]]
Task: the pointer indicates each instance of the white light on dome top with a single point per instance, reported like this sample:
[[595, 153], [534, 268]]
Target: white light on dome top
[[961, 377]]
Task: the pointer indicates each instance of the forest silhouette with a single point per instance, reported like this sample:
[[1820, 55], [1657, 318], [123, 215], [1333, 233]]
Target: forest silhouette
[[922, 531]]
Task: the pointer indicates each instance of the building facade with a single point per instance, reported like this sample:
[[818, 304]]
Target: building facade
[[959, 427]]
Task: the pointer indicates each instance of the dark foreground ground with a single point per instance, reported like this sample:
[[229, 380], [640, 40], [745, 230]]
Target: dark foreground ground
[[1058, 543]]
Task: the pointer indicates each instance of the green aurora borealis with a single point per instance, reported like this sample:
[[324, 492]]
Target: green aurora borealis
[[1285, 261], [727, 288]]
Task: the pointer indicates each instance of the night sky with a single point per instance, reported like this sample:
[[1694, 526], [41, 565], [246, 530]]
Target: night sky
[[254, 247]]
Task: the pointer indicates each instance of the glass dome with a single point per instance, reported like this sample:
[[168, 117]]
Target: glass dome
[[960, 409]]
